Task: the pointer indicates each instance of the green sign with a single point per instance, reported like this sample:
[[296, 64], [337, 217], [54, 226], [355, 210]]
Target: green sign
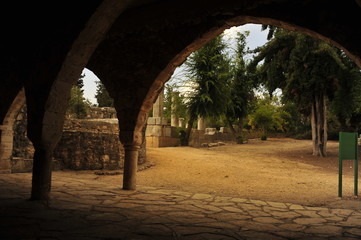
[[348, 150]]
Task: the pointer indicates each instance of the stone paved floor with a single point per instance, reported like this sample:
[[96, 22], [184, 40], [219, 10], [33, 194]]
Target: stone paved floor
[[85, 208]]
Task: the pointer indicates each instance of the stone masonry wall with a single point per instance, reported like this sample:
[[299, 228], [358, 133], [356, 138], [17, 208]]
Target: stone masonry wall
[[86, 144], [91, 145]]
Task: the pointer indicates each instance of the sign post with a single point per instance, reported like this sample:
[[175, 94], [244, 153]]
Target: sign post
[[348, 150]]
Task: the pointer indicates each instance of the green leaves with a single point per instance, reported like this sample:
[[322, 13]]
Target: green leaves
[[209, 69], [102, 96]]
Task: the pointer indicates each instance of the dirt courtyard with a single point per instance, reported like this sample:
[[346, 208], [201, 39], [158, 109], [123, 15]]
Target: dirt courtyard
[[277, 170]]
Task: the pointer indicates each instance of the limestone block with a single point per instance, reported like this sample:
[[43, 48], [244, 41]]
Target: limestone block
[[174, 132], [181, 122], [174, 121], [168, 142], [167, 131], [5, 165], [158, 120], [21, 165], [223, 130], [210, 131], [154, 130], [164, 121], [151, 121], [200, 124]]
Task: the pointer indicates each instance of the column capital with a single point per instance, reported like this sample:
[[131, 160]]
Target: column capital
[[130, 139], [131, 147]]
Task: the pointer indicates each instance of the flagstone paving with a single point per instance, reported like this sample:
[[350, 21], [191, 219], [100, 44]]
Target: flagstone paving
[[86, 208]]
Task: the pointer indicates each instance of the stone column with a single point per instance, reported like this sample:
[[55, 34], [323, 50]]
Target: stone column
[[200, 125], [174, 115], [42, 172], [44, 129], [6, 148], [181, 122], [131, 141], [158, 105], [130, 167]]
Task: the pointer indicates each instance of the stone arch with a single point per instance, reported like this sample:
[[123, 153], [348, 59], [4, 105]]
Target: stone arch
[[44, 128], [7, 132], [140, 53]]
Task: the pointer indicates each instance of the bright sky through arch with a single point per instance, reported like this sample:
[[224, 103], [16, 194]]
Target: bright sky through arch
[[255, 39]]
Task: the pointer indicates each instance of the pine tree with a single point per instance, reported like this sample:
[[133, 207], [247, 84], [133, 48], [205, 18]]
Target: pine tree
[[102, 96], [209, 74], [309, 72]]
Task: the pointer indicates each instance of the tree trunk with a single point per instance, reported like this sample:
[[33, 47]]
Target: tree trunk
[[240, 124], [231, 126], [189, 129], [314, 128], [319, 125], [325, 135]]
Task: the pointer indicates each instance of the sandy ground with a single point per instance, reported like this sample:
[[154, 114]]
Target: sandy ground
[[276, 170]]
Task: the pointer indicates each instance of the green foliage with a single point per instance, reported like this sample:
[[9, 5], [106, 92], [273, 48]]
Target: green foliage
[[240, 138], [305, 68], [80, 82], [102, 96], [208, 71], [179, 100], [77, 104], [297, 123], [241, 84], [269, 116], [182, 136]]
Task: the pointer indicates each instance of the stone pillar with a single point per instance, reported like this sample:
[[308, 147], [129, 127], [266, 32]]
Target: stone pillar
[[181, 122], [6, 148], [44, 130], [200, 125], [174, 115], [42, 166], [130, 167], [131, 141], [158, 105]]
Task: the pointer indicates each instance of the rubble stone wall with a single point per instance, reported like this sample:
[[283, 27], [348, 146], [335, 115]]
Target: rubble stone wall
[[86, 144]]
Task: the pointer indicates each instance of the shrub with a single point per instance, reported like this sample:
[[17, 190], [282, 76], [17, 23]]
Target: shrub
[[240, 139]]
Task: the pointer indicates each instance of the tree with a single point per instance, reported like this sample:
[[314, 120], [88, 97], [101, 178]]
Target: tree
[[80, 82], [208, 72], [307, 71], [102, 96], [78, 105], [241, 87], [268, 115]]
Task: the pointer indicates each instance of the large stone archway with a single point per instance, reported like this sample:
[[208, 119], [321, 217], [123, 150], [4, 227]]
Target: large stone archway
[[134, 54], [45, 122], [7, 132], [140, 53]]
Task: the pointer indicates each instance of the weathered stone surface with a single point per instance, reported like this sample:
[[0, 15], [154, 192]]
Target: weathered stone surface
[[325, 230], [86, 144], [90, 145], [309, 220], [85, 207]]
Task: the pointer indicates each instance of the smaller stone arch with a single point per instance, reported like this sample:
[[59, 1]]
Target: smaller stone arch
[[7, 132]]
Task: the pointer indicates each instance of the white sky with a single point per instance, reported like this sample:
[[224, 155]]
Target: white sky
[[255, 39]]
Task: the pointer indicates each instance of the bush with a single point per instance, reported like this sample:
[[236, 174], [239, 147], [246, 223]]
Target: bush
[[240, 139], [182, 137]]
